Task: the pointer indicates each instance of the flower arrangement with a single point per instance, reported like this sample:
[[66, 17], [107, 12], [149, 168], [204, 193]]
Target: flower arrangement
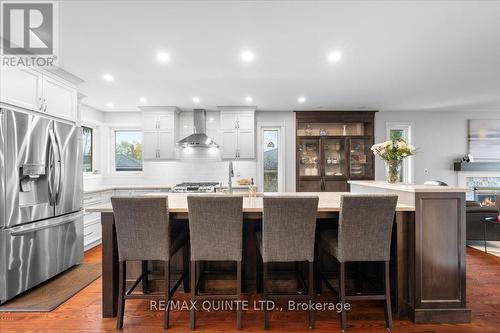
[[393, 152]]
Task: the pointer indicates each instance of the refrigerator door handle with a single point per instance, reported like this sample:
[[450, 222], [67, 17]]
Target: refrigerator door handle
[[19, 231], [58, 169], [52, 162]]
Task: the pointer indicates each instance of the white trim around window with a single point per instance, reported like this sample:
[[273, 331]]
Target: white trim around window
[[409, 163], [112, 143], [280, 127], [95, 150]]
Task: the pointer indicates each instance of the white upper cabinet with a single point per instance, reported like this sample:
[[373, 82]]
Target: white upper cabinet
[[229, 144], [60, 99], [159, 134], [166, 145], [33, 90], [150, 145], [21, 87], [149, 121], [238, 133], [228, 120], [246, 143], [246, 121], [166, 122]]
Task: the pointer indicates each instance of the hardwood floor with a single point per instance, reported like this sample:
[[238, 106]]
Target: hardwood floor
[[82, 313]]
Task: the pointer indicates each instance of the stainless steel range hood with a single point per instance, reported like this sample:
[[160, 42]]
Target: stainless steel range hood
[[198, 138]]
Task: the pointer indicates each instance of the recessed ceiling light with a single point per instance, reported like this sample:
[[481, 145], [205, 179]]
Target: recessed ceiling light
[[248, 99], [247, 56], [163, 56], [110, 105], [301, 99], [143, 100], [108, 77], [196, 100], [334, 56], [211, 119]]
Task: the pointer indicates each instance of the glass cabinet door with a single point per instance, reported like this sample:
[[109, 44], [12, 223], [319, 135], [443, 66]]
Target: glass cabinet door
[[361, 158], [335, 157], [308, 154]]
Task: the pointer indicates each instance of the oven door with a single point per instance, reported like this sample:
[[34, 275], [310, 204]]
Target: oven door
[[35, 252]]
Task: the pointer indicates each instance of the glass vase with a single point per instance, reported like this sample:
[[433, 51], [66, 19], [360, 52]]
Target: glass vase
[[393, 169]]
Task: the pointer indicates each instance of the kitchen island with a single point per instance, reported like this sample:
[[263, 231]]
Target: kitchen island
[[427, 256]]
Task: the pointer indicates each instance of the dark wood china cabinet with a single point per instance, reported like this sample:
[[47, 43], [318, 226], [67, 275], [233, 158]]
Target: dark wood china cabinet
[[332, 148]]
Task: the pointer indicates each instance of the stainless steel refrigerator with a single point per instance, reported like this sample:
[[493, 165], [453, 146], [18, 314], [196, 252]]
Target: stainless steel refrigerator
[[41, 226]]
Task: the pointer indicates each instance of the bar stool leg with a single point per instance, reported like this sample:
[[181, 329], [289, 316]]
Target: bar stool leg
[[122, 272], [145, 278], [388, 310], [319, 281], [192, 317], [264, 291], [238, 292], [167, 295], [185, 267], [343, 313], [311, 294]]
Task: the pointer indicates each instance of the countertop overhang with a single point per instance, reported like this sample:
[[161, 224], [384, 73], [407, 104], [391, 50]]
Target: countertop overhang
[[177, 202]]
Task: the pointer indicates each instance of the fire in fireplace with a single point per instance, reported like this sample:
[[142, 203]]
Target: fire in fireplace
[[486, 196]]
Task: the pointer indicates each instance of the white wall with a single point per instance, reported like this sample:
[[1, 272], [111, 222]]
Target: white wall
[[440, 136]]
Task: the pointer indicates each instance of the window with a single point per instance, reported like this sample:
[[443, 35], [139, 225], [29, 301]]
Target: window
[[397, 131], [270, 160], [128, 150], [270, 157], [88, 147]]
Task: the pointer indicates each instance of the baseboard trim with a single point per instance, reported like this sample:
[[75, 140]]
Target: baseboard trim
[[442, 316]]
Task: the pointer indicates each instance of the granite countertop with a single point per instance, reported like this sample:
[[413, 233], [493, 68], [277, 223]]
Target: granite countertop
[[415, 188], [102, 188], [328, 202]]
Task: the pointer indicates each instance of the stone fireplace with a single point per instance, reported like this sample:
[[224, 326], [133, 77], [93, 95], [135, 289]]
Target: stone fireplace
[[484, 186]]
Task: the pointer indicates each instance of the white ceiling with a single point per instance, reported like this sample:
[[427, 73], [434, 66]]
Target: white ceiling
[[396, 55]]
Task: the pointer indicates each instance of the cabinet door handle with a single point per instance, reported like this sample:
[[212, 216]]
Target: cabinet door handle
[[45, 103], [40, 107]]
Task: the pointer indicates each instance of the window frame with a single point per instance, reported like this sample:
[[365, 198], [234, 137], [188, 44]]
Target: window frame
[[408, 163], [92, 149], [112, 156], [265, 126]]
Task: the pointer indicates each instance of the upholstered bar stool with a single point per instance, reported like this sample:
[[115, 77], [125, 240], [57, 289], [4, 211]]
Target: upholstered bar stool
[[143, 233], [216, 233], [364, 235], [288, 235]]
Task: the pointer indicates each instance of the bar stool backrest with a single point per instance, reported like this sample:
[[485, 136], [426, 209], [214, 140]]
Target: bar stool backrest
[[216, 227], [365, 227], [288, 228], [142, 228]]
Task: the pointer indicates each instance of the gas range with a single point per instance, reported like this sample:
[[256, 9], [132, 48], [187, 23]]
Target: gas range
[[195, 187]]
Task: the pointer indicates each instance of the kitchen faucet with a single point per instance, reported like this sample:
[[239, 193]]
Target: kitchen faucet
[[231, 175]]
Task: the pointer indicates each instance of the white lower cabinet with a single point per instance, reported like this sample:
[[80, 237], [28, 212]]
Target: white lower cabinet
[[92, 232]]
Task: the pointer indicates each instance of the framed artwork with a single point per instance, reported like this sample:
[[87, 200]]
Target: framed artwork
[[484, 139]]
